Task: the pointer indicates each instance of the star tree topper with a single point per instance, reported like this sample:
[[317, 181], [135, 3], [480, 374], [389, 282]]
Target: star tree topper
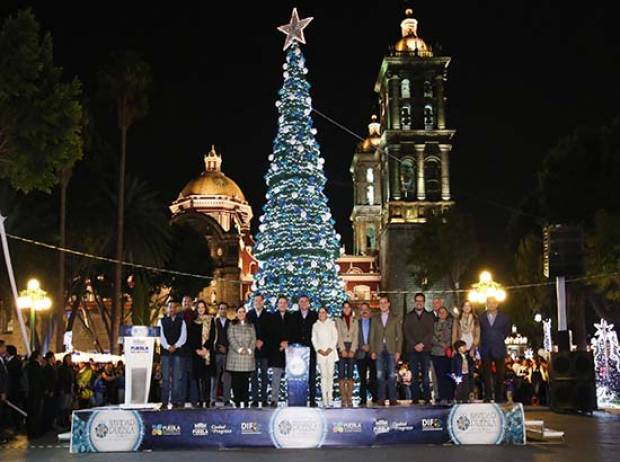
[[294, 30]]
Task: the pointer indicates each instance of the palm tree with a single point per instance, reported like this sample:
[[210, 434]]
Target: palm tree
[[147, 233], [125, 82]]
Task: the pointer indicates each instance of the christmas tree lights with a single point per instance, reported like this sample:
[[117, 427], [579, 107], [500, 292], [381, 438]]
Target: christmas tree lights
[[297, 244], [606, 364]]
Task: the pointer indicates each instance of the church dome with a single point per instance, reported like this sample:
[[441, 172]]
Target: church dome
[[374, 136], [212, 182], [411, 42]]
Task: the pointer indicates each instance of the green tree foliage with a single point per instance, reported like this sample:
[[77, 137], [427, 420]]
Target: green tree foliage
[[603, 254], [444, 249], [40, 116]]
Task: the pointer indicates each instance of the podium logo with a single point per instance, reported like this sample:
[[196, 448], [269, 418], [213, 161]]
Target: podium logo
[[296, 367], [297, 427], [139, 331], [476, 424], [115, 430]]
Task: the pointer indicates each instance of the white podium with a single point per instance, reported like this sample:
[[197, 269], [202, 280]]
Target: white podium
[[138, 347]]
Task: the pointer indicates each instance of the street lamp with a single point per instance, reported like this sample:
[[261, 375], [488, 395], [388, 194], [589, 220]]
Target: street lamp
[[486, 288], [538, 317], [35, 299]]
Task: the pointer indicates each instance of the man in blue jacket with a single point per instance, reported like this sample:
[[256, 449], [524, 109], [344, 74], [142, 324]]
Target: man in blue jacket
[[495, 326]]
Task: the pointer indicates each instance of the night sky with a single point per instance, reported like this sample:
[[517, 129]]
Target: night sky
[[522, 75]]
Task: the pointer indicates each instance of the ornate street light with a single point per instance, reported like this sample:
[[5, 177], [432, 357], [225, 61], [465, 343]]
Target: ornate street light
[[486, 288], [34, 299]]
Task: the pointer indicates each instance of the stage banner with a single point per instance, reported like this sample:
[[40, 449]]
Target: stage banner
[[124, 430], [297, 373]]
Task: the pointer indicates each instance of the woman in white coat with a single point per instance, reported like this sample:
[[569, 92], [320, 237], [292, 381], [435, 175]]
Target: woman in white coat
[[325, 341]]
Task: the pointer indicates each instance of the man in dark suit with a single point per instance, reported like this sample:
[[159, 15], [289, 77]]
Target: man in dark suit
[[4, 388], [260, 318], [365, 365], [281, 332], [494, 328], [220, 347], [16, 392], [304, 319], [418, 329]]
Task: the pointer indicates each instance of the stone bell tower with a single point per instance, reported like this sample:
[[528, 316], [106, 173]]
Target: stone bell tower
[[414, 149]]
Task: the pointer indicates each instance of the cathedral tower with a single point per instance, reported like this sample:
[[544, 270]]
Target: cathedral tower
[[413, 152]]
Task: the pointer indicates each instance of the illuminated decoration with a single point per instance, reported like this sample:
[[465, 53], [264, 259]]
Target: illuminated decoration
[[546, 326], [606, 364], [294, 30], [297, 245], [486, 288], [547, 343], [517, 344], [34, 299]]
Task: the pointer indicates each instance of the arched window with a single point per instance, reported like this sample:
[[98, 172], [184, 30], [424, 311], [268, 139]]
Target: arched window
[[370, 175], [429, 118], [432, 178], [371, 237], [405, 117], [407, 178], [428, 89], [370, 194], [405, 88]]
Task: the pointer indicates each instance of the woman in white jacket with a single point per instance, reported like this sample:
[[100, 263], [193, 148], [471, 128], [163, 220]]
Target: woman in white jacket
[[325, 341]]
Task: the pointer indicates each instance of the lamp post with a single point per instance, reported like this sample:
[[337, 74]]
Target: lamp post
[[35, 299], [486, 288]]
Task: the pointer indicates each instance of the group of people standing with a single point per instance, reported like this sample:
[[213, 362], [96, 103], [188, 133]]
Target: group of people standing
[[207, 359]]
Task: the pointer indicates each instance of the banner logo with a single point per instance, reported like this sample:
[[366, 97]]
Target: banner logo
[[381, 426], [200, 429], [296, 427], [476, 424], [115, 430], [221, 429], [347, 427], [165, 430], [432, 425], [400, 426], [250, 428]]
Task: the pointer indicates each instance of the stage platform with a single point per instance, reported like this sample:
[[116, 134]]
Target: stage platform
[[112, 429]]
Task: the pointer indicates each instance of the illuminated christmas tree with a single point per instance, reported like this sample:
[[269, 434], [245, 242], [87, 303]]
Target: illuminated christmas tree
[[606, 363], [297, 244]]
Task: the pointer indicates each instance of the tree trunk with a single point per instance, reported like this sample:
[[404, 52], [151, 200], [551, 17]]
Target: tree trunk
[[117, 302], [60, 296]]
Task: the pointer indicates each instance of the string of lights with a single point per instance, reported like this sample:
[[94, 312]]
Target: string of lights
[[203, 276]]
